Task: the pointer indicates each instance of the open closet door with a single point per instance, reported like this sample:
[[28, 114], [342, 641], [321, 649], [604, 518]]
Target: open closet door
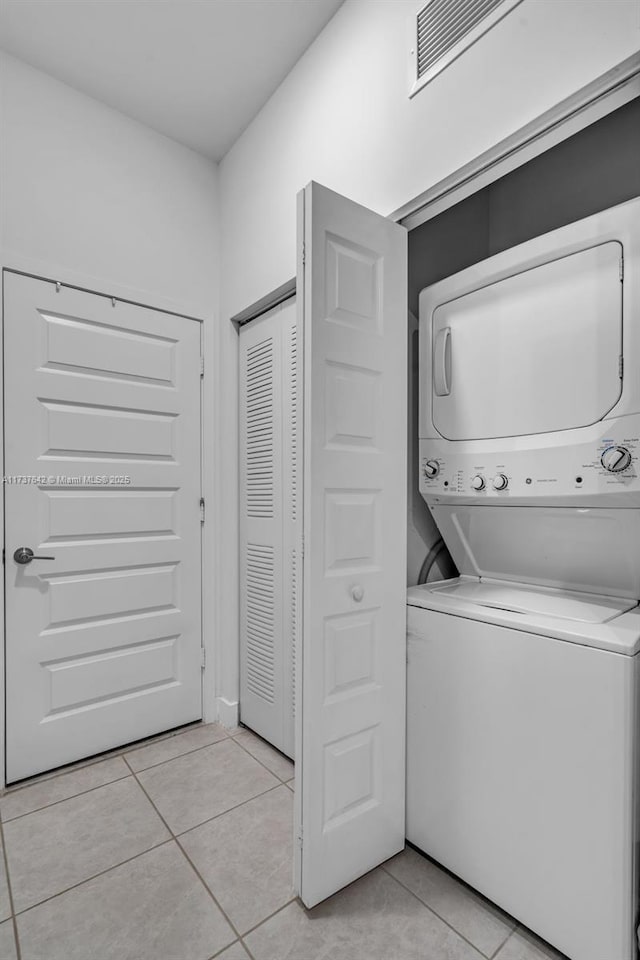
[[350, 721]]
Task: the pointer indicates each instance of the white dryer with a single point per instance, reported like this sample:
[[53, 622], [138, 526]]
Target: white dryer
[[522, 700]]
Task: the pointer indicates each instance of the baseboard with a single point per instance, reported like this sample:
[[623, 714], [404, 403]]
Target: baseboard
[[228, 712]]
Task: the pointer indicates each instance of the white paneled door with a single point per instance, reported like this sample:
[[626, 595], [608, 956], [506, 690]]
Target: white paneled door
[[102, 460], [350, 747]]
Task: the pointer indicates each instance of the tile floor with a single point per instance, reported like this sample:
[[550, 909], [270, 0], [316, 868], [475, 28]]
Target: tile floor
[[181, 849]]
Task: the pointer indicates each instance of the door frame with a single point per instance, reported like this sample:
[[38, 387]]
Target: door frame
[[209, 464], [602, 96]]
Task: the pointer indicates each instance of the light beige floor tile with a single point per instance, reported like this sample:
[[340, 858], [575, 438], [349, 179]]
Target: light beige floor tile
[[203, 784], [523, 945], [5, 902], [266, 754], [45, 792], [235, 952], [8, 942], [71, 841], [373, 919], [467, 912], [291, 785], [246, 857], [175, 746], [152, 908]]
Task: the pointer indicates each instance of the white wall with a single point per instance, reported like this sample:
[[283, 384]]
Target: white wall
[[91, 197], [343, 117], [100, 195]]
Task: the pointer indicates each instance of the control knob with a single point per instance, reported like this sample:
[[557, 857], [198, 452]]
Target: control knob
[[431, 469], [478, 482], [500, 482], [616, 459]]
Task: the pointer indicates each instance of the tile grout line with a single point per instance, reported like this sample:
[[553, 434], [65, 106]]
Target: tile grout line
[[508, 937], [220, 952], [436, 914], [217, 816], [55, 803], [172, 836], [120, 756], [246, 949], [272, 772], [224, 949], [281, 783], [112, 755], [294, 899], [100, 758], [188, 859], [486, 902], [545, 945], [101, 873], [187, 753], [208, 890], [68, 768], [176, 838], [10, 892]]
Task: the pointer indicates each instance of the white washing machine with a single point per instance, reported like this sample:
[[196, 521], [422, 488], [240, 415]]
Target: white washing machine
[[522, 700]]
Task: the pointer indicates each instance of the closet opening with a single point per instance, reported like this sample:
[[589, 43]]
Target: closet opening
[[588, 172]]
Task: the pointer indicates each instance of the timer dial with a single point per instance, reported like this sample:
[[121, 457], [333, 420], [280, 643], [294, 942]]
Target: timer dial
[[478, 482], [431, 469], [500, 482], [616, 459]]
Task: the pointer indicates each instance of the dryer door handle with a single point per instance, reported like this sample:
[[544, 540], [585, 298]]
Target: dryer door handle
[[442, 363]]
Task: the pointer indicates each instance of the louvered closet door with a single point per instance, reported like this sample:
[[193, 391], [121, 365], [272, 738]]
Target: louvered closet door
[[268, 516]]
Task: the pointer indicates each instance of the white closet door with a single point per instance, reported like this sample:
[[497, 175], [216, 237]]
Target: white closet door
[[103, 633], [268, 517], [350, 746]]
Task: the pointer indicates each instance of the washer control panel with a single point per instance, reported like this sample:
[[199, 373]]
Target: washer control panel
[[607, 463]]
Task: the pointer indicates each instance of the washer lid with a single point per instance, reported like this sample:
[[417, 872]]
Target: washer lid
[[521, 598], [592, 620]]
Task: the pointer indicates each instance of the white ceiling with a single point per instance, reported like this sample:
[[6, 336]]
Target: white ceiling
[[196, 70]]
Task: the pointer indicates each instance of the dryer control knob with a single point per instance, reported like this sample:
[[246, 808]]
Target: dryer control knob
[[500, 482], [616, 459], [478, 482], [431, 469]]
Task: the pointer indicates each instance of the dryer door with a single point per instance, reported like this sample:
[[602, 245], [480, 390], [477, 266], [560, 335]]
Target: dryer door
[[536, 352]]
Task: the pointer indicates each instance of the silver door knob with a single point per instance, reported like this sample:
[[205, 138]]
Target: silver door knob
[[357, 593], [26, 555]]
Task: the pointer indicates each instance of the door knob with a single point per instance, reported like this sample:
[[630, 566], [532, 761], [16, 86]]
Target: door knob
[[357, 593], [26, 555]]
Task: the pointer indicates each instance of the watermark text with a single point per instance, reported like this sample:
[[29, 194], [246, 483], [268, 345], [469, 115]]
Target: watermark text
[[64, 480]]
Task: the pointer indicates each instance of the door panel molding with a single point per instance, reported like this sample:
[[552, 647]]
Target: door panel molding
[[350, 653], [108, 535]]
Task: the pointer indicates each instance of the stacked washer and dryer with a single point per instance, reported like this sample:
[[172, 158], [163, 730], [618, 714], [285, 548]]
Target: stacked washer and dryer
[[523, 678]]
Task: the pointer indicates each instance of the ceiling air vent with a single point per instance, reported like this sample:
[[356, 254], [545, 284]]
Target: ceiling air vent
[[443, 29]]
